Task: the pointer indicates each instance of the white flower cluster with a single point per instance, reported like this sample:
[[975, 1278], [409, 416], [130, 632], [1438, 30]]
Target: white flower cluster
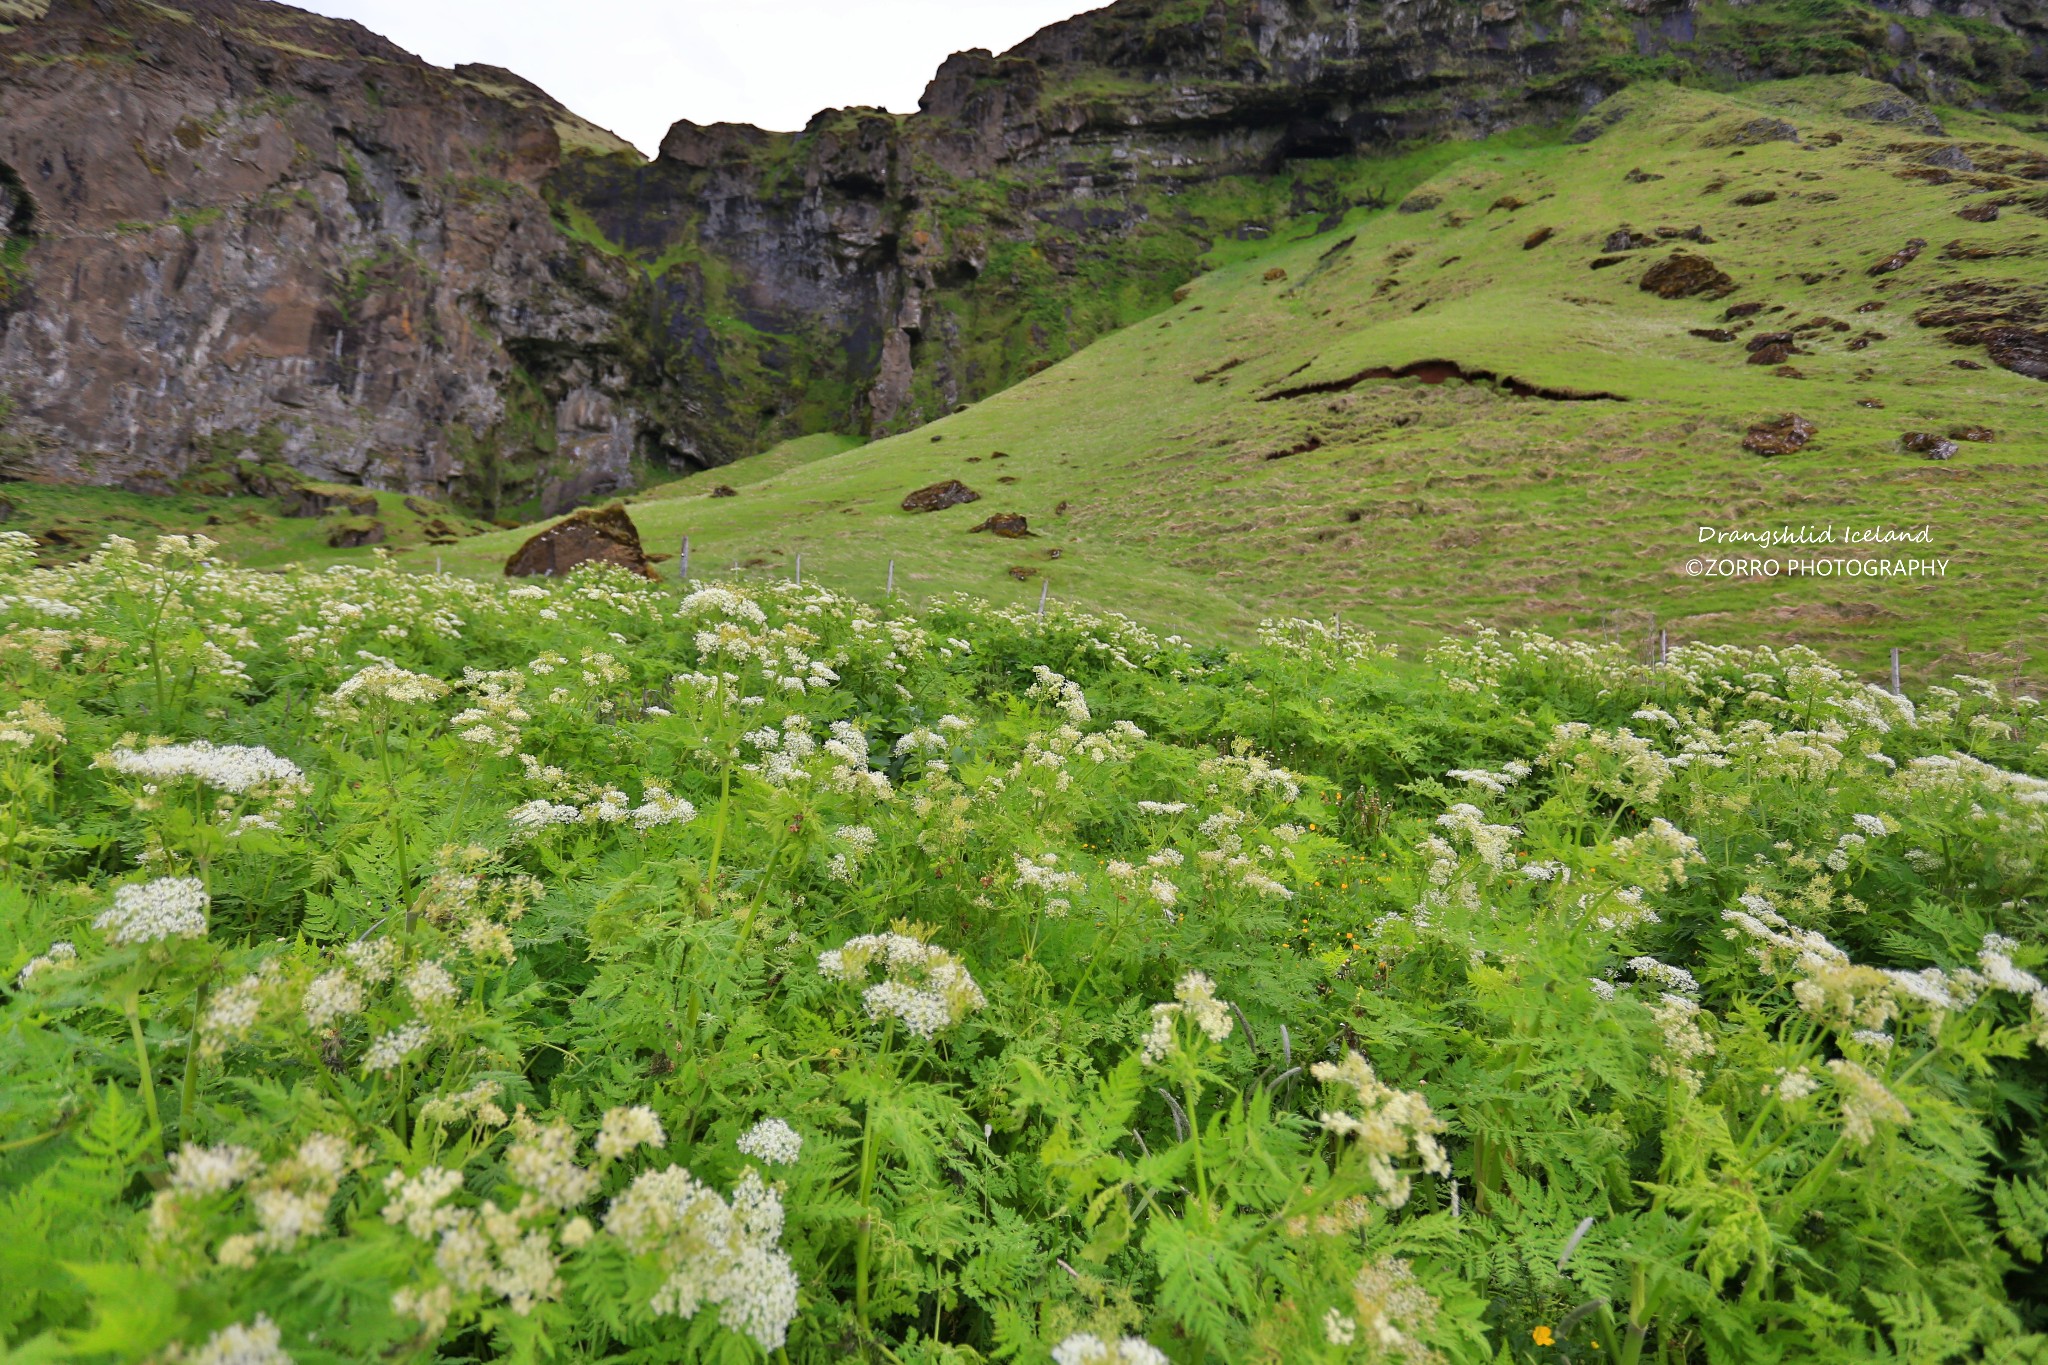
[[392, 1047], [1660, 854], [202, 1171], [493, 722], [1685, 1040], [1614, 763], [608, 806], [1194, 998], [714, 1252], [1391, 1124], [484, 1250], [479, 1104], [290, 1201], [1495, 844], [1794, 1084], [152, 912], [387, 682], [859, 842], [1865, 1102], [1664, 974], [233, 768], [1493, 783], [1062, 692], [924, 986], [542, 1156], [1085, 1348], [1248, 775], [772, 1141], [29, 723], [628, 1127], [1042, 873], [59, 954], [1396, 1311], [257, 1343]]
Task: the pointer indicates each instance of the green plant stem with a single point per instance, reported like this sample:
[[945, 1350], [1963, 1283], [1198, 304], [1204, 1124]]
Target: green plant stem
[[1088, 972], [397, 826], [867, 1215], [190, 1088], [1195, 1135], [403, 1121], [719, 821], [865, 1239], [132, 1007]]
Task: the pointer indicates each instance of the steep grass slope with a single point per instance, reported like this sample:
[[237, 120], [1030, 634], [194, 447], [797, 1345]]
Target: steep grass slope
[[1156, 463]]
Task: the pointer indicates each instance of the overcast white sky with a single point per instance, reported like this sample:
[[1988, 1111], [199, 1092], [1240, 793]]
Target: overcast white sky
[[636, 66]]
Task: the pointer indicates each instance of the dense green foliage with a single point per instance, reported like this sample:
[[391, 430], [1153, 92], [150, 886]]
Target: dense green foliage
[[580, 971]]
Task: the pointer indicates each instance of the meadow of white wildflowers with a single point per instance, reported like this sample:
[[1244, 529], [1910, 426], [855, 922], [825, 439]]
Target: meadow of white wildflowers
[[410, 968]]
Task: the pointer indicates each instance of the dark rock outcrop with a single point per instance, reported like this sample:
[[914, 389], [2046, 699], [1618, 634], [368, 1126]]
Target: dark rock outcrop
[[1781, 436], [938, 497], [1009, 525], [2019, 349], [604, 535], [307, 500], [253, 228], [1928, 443], [1682, 276], [1900, 259]]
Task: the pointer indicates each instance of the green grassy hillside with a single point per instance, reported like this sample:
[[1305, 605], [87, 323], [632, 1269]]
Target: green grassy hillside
[[1153, 464]]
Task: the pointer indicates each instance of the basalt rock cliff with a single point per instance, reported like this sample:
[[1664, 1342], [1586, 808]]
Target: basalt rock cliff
[[237, 233]]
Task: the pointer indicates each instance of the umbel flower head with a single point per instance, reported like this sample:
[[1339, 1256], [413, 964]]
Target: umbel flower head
[[256, 1343], [152, 912], [924, 986], [1195, 998], [772, 1141], [1393, 1124], [1085, 1348], [235, 768], [711, 1251], [386, 683]]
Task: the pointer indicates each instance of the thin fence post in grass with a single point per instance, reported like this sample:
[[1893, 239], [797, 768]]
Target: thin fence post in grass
[[1663, 645], [684, 575], [799, 570], [1896, 691], [890, 590], [437, 566], [1043, 589]]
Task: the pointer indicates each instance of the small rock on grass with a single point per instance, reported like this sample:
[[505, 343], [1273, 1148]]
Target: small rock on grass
[[939, 496], [1929, 444], [1009, 525], [1683, 275], [1782, 436], [1901, 258]]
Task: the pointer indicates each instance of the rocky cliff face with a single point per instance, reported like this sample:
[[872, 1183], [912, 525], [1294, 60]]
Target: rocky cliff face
[[238, 230], [872, 271]]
